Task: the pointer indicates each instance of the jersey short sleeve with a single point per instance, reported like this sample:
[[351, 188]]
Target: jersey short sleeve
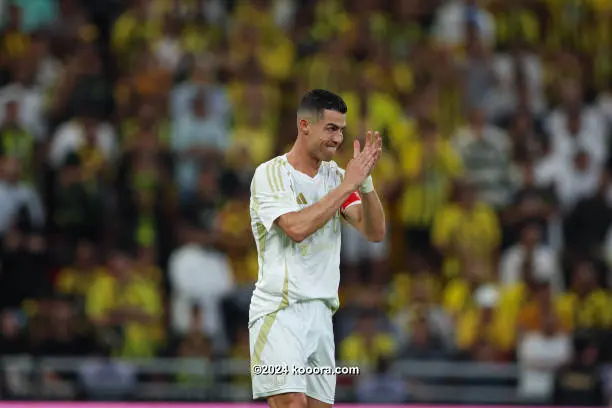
[[271, 193]]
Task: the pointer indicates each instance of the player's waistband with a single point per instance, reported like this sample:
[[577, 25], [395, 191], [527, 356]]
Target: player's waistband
[[259, 315]]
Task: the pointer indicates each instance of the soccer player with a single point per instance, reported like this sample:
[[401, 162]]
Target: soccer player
[[298, 201]]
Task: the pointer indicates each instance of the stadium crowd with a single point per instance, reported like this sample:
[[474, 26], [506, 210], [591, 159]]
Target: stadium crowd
[[129, 132]]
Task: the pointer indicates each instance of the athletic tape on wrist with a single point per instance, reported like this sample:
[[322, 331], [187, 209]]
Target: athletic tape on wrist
[[367, 186]]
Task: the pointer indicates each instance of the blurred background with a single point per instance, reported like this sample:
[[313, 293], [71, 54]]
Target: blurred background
[[129, 131]]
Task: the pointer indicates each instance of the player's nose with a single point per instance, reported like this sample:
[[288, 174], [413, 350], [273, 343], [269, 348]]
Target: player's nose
[[337, 138]]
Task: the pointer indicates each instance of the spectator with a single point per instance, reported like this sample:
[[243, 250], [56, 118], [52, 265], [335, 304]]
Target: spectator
[[578, 180], [195, 343], [202, 80], [168, 48], [452, 18], [49, 68], [149, 119], [24, 264], [542, 258], [15, 41], [485, 151], [429, 166], [29, 98], [197, 138], [253, 135], [466, 229], [64, 339], [424, 343], [419, 273], [76, 209], [513, 69], [84, 85], [482, 325], [478, 74], [198, 274], [15, 195], [527, 142], [586, 303], [532, 203], [423, 305], [382, 386], [586, 226], [12, 341], [580, 383], [367, 343], [75, 279], [126, 309], [575, 127], [15, 141], [86, 136], [540, 353]]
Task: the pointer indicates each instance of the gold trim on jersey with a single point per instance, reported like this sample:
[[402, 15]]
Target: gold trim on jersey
[[268, 322]]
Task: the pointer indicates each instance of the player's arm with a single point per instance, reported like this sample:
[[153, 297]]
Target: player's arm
[[368, 217], [301, 224], [366, 213], [276, 204]]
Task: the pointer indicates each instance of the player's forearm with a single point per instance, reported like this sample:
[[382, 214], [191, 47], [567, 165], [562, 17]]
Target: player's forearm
[[301, 224], [374, 224]]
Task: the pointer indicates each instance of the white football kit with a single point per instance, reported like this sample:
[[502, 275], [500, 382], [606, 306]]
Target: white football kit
[[290, 317]]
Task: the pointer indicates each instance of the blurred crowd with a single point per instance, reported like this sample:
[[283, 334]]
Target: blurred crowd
[[129, 132]]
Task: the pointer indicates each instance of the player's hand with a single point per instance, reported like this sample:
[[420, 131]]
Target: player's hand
[[361, 165], [373, 144]]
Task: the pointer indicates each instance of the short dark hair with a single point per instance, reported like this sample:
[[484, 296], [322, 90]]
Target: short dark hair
[[318, 100]]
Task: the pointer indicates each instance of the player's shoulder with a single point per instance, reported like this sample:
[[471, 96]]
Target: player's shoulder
[[269, 165], [270, 171]]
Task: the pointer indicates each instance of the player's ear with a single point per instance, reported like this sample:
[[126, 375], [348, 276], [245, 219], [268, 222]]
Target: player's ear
[[304, 125]]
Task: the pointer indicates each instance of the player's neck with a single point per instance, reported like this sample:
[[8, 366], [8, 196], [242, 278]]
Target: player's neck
[[300, 160]]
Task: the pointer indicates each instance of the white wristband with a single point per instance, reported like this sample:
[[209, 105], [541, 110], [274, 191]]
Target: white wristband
[[366, 186]]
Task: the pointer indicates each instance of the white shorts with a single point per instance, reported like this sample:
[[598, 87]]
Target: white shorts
[[355, 248], [299, 336]]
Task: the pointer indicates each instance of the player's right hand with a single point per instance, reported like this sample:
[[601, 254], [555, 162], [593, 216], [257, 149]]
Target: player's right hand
[[360, 166]]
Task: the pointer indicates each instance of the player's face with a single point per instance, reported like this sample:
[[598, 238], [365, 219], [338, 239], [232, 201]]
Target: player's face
[[327, 135]]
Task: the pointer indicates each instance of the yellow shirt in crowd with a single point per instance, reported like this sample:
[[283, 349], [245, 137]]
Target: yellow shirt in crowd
[[429, 181], [355, 350], [107, 294], [400, 293], [469, 329], [475, 232], [591, 312], [457, 296], [71, 281], [235, 223]]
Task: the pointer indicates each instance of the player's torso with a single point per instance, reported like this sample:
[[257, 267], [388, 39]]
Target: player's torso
[[308, 191], [312, 266]]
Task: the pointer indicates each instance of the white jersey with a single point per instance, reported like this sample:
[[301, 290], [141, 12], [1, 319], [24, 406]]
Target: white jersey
[[289, 271]]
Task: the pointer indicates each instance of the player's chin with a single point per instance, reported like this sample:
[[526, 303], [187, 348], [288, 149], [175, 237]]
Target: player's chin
[[327, 153]]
